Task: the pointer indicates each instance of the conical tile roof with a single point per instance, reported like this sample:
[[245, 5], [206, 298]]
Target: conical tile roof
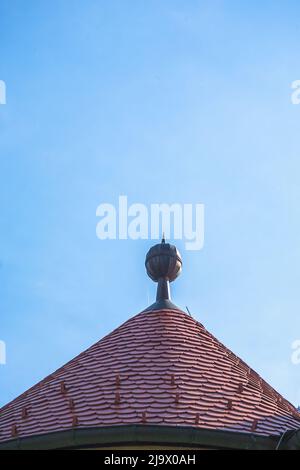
[[160, 367]]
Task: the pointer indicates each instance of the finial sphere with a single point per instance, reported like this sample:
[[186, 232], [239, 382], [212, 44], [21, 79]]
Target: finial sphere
[[163, 261]]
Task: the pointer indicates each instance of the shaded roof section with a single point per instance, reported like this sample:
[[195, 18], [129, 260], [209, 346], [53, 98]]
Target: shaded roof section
[[161, 367]]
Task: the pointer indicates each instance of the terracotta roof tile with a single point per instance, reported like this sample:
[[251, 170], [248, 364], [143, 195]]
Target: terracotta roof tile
[[160, 367]]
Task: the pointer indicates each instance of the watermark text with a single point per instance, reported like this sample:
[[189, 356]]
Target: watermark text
[[295, 357], [2, 352], [137, 221], [2, 92]]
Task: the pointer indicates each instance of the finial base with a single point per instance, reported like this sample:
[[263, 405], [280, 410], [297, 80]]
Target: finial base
[[164, 304], [163, 289]]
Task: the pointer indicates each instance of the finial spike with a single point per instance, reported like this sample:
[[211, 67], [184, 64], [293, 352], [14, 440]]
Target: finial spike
[[163, 240]]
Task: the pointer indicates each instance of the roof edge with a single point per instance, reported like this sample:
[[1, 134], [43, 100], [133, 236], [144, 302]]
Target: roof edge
[[140, 434]]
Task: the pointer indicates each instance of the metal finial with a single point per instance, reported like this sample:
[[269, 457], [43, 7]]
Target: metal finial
[[163, 265]]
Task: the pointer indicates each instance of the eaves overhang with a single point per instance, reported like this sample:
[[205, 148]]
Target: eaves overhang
[[290, 440], [142, 435]]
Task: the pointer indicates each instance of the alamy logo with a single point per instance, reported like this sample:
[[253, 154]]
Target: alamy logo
[[2, 92], [295, 357], [2, 353], [137, 221]]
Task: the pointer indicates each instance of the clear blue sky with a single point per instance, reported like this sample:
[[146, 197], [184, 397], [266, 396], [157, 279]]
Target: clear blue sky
[[165, 102]]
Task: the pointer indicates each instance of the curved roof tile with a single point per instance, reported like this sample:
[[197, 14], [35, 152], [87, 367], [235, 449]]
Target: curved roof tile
[[159, 367]]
